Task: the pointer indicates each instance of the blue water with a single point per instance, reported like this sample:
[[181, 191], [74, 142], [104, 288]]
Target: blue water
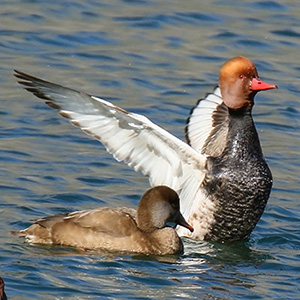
[[155, 58]]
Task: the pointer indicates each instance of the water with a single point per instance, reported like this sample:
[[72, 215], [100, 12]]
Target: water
[[156, 58]]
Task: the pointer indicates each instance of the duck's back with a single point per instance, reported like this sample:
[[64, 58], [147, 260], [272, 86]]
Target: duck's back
[[98, 228]]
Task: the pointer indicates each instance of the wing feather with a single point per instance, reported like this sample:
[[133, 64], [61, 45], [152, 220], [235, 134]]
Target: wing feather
[[201, 121], [131, 138], [99, 220]]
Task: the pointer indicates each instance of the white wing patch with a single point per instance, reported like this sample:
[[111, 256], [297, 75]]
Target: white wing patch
[[138, 142], [200, 122]]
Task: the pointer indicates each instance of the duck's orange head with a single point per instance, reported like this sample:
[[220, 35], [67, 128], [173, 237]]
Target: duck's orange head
[[239, 82]]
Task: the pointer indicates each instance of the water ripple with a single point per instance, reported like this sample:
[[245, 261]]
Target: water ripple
[[155, 58]]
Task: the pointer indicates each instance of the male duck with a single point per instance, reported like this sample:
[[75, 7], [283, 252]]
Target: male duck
[[221, 175]]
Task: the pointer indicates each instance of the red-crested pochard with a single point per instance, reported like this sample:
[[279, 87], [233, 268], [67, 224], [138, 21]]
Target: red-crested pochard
[[117, 229], [221, 175]]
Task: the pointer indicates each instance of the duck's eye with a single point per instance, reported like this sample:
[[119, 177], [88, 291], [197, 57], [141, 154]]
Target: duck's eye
[[241, 76], [175, 205]]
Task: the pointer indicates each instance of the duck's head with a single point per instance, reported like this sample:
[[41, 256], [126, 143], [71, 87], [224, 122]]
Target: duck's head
[[239, 82], [158, 206]]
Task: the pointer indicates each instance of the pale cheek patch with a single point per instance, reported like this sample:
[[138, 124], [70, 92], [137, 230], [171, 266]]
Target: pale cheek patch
[[160, 213]]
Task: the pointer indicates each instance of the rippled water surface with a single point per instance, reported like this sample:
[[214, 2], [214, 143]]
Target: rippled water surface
[[156, 58]]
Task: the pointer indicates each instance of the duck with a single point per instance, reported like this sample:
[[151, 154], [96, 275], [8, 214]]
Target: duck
[[219, 172], [2, 292], [119, 229]]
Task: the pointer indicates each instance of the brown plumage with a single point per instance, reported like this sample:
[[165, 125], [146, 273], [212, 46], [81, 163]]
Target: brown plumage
[[117, 229]]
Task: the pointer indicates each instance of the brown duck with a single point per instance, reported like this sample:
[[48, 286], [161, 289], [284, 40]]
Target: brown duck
[[117, 229]]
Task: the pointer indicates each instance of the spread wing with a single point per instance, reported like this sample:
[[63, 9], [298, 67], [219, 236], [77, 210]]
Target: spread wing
[[207, 126], [131, 138]]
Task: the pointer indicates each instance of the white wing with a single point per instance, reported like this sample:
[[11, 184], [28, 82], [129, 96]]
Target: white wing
[[131, 138], [206, 117]]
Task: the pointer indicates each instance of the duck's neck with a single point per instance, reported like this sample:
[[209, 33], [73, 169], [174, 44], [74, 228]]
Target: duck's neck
[[242, 140]]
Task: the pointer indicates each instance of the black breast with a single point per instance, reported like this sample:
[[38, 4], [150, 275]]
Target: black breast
[[239, 181]]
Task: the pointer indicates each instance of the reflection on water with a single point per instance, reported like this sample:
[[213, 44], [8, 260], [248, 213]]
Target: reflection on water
[[155, 58], [238, 253]]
